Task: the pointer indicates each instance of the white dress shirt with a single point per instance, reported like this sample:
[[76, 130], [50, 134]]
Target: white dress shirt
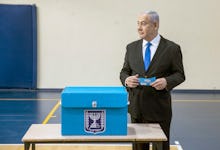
[[155, 42]]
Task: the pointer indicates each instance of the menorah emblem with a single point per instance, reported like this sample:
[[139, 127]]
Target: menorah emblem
[[94, 121], [95, 117]]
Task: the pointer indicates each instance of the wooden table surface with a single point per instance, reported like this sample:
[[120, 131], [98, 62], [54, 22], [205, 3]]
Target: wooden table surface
[[41, 133]]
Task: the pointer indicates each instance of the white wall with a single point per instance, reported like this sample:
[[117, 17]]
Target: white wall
[[82, 42]]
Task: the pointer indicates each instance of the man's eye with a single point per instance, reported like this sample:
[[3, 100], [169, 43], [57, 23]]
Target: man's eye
[[142, 23]]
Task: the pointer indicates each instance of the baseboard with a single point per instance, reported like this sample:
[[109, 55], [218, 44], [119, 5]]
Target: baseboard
[[196, 91]]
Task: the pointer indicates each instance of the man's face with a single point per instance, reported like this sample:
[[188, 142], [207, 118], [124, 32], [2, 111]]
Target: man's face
[[146, 28]]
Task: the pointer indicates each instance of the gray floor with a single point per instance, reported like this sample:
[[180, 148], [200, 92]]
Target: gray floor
[[196, 120]]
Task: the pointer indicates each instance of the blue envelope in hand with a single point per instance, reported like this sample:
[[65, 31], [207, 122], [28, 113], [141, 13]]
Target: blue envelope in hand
[[146, 81]]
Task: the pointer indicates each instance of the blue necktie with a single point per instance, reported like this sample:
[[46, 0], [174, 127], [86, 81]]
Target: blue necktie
[[147, 56]]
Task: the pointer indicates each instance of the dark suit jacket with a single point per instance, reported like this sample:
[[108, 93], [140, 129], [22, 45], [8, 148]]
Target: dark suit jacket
[[147, 102]]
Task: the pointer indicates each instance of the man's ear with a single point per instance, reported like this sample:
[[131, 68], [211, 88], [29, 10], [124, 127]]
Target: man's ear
[[156, 25]]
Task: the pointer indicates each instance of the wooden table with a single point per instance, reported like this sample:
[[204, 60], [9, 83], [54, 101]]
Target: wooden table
[[137, 133]]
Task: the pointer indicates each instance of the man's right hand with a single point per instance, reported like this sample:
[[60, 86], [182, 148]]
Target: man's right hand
[[132, 81]]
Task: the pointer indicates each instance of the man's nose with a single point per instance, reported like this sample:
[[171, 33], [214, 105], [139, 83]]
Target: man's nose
[[139, 28]]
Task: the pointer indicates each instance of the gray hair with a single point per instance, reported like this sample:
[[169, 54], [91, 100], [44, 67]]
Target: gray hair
[[153, 15]]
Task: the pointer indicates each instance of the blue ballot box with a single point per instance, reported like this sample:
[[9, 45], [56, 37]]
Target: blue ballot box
[[94, 111]]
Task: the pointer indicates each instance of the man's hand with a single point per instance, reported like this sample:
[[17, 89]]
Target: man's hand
[[159, 84], [132, 81]]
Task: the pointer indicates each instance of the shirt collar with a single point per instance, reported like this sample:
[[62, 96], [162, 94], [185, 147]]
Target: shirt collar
[[154, 42]]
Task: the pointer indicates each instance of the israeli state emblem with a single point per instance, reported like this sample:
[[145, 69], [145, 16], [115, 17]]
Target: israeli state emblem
[[94, 121]]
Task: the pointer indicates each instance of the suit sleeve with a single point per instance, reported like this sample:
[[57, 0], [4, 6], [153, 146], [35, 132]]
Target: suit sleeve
[[125, 71], [177, 76]]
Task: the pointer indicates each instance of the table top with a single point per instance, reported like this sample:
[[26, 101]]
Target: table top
[[43, 133]]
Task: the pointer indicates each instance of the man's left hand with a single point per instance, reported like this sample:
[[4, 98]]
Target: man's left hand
[[159, 84]]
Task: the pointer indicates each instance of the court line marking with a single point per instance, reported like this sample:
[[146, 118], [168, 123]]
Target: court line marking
[[51, 113], [179, 147]]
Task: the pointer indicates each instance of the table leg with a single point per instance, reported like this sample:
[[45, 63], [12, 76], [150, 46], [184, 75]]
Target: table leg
[[26, 146], [33, 146], [134, 146], [157, 146]]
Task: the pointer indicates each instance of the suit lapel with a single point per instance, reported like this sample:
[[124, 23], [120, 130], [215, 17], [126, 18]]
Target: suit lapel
[[157, 54], [140, 58]]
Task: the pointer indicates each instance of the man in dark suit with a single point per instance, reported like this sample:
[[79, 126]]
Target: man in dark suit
[[151, 104]]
